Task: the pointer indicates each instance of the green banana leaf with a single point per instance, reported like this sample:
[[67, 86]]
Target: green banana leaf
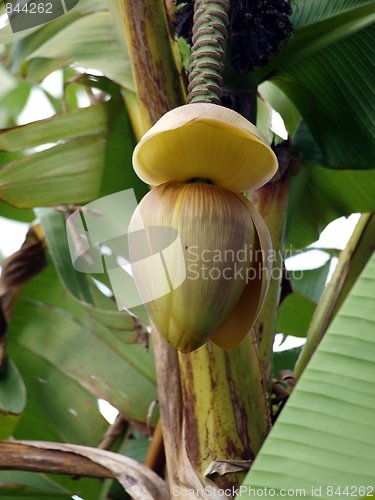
[[320, 195], [52, 329], [64, 174], [79, 170], [80, 285], [76, 123], [83, 487], [24, 47], [66, 408], [86, 41], [327, 70], [17, 485], [325, 435], [45, 178], [282, 105], [12, 399]]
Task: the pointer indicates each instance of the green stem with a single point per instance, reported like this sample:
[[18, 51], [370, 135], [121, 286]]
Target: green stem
[[352, 260], [208, 51], [271, 202], [225, 411], [243, 88]]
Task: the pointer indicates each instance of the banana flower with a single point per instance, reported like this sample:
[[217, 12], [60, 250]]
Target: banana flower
[[201, 157]]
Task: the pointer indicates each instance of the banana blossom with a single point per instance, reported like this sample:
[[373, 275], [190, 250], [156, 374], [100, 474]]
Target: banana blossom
[[202, 157]]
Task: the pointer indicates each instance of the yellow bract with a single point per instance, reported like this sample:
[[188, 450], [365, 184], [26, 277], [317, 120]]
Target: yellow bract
[[207, 141]]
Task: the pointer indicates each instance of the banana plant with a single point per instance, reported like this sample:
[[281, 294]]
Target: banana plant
[[181, 98]]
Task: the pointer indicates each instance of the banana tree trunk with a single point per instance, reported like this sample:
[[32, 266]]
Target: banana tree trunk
[[225, 410]]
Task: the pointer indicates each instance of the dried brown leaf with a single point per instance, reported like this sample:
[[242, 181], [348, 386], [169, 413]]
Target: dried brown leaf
[[19, 268], [140, 482]]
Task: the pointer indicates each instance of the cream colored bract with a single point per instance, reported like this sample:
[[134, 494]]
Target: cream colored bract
[[207, 141], [224, 248]]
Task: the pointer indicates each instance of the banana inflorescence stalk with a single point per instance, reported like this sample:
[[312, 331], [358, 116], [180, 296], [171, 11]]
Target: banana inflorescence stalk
[[208, 50]]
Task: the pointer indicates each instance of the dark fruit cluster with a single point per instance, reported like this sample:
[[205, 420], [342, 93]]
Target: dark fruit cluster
[[259, 29]]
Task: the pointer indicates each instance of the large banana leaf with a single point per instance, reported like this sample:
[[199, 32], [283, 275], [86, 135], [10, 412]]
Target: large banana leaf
[[31, 486], [90, 41], [28, 44], [325, 436], [77, 123], [80, 285], [319, 195], [80, 169], [327, 72], [52, 334], [67, 173], [46, 324], [57, 404]]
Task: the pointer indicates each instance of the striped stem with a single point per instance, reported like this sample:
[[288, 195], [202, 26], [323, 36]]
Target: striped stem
[[208, 51]]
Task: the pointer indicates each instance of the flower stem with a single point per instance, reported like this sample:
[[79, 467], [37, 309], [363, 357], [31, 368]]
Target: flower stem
[[208, 52]]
